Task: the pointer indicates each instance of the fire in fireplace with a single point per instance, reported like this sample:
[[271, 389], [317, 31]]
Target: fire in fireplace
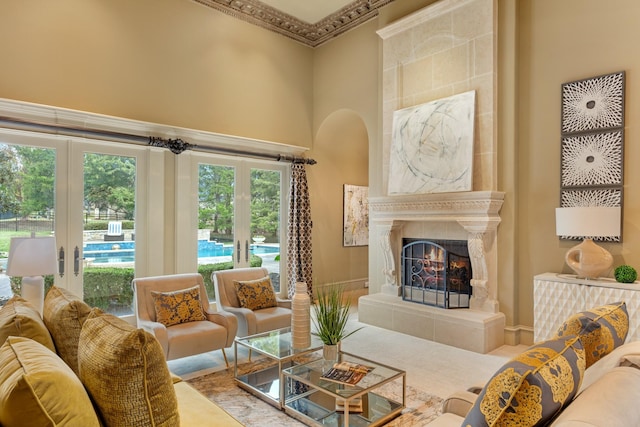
[[436, 272]]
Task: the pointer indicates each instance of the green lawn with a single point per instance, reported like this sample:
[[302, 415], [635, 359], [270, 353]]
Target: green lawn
[[5, 239]]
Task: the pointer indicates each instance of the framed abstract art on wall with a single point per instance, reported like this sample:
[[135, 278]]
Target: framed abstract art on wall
[[592, 143], [356, 215]]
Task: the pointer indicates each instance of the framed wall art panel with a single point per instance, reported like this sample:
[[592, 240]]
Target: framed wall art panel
[[593, 104], [356, 215], [592, 159], [608, 197]]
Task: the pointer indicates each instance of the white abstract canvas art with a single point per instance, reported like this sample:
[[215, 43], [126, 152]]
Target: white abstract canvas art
[[432, 147]]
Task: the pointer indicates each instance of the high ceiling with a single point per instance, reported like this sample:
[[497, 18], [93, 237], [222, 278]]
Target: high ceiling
[[311, 22]]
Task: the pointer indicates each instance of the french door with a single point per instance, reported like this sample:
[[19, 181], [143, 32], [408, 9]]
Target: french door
[[76, 190], [241, 208]]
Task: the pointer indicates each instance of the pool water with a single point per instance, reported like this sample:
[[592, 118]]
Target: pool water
[[112, 252]]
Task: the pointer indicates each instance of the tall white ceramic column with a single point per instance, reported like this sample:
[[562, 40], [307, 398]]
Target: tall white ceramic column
[[301, 317]]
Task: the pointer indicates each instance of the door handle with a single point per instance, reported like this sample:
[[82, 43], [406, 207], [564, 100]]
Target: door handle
[[76, 261], [246, 250], [61, 261], [238, 251]]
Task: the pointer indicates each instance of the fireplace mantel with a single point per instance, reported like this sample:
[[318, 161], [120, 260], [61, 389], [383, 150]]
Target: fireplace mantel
[[464, 207]]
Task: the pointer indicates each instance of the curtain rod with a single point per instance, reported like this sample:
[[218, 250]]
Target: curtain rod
[[176, 146]]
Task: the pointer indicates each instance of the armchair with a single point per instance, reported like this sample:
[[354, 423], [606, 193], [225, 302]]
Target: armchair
[[216, 332], [250, 322]]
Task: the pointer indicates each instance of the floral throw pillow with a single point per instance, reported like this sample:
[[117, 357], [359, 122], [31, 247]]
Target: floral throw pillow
[[532, 387], [256, 294], [600, 329], [177, 307]]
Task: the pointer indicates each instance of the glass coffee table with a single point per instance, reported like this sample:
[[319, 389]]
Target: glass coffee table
[[377, 398], [262, 376]]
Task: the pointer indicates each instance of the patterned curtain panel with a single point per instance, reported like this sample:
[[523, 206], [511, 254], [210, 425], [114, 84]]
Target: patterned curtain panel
[[299, 267]]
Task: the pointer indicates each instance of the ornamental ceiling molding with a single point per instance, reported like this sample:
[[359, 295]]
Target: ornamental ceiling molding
[[313, 35]]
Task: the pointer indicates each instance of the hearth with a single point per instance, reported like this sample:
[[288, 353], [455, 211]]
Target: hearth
[[436, 272]]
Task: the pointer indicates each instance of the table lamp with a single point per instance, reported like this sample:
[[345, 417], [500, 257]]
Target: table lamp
[[587, 259], [31, 258]]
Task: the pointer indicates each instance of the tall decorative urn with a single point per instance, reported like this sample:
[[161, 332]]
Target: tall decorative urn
[[301, 317]]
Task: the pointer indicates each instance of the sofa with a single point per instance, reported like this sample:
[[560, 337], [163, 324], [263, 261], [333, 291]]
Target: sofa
[[585, 376], [78, 366]]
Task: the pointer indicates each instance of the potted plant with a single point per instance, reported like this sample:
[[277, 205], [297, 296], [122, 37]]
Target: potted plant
[[331, 315]]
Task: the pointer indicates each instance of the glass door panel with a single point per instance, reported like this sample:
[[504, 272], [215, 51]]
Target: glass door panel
[[265, 220], [27, 202], [109, 247]]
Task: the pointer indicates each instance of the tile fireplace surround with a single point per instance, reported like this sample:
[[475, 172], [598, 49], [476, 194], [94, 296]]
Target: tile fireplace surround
[[471, 216]]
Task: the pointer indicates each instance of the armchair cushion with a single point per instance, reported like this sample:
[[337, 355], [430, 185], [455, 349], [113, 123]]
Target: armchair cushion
[[125, 372], [21, 319], [601, 329], [180, 306], [39, 389], [532, 387], [256, 294], [63, 314]]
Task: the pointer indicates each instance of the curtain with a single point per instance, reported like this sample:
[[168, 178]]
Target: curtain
[[299, 264]]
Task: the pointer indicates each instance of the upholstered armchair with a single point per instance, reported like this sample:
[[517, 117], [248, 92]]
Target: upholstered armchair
[[175, 309], [248, 294]]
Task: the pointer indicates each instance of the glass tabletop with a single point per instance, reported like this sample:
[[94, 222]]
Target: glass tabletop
[[312, 373], [277, 344]]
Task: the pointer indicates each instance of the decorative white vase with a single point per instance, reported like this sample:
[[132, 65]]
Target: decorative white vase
[[330, 352], [301, 317]]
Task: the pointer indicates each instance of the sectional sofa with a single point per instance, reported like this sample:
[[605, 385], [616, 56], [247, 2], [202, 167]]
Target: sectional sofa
[[585, 376], [78, 366]]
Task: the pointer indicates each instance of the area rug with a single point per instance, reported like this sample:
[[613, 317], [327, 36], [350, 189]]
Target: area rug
[[221, 388]]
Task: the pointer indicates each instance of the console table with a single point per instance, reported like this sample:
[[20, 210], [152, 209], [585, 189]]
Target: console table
[[558, 296]]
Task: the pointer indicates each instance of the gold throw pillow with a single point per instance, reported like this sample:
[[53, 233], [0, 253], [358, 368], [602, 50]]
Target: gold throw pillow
[[20, 318], [125, 373], [63, 314], [177, 307], [37, 388], [256, 294]]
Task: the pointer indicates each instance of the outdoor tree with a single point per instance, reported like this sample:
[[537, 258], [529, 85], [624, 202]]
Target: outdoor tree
[[109, 183], [9, 189], [37, 179], [216, 198], [265, 202]]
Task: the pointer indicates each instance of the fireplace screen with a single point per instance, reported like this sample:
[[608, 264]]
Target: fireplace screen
[[436, 273]]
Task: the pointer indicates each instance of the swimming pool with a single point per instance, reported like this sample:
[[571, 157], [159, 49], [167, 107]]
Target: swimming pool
[[115, 252]]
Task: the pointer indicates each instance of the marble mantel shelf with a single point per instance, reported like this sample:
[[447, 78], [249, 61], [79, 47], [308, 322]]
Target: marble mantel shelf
[[463, 206]]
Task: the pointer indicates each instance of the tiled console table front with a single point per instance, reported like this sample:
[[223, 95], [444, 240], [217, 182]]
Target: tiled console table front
[[558, 296]]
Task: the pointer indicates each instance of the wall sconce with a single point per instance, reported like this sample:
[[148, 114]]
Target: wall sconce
[[587, 259], [31, 258]]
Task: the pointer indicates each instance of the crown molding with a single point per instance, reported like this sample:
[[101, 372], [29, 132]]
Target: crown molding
[[313, 35]]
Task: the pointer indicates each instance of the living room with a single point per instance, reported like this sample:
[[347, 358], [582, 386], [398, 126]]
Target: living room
[[190, 69]]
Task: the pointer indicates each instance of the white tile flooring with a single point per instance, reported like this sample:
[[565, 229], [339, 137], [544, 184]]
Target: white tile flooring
[[431, 367]]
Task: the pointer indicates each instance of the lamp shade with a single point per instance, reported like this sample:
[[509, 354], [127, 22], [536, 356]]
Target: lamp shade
[[588, 221], [32, 256]]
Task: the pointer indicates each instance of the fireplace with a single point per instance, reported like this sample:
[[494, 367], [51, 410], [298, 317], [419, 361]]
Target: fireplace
[[470, 217], [436, 272]]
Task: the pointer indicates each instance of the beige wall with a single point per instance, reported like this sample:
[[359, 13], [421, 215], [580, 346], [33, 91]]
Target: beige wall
[[174, 62], [563, 41]]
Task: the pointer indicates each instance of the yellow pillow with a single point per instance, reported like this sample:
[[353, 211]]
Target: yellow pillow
[[21, 319], [63, 314], [37, 388], [600, 329], [124, 370], [177, 307], [256, 294]]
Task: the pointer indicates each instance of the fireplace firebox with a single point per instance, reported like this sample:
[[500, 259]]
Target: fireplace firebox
[[436, 272]]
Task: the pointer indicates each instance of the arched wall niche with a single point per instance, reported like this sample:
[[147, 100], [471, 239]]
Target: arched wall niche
[[341, 148]]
